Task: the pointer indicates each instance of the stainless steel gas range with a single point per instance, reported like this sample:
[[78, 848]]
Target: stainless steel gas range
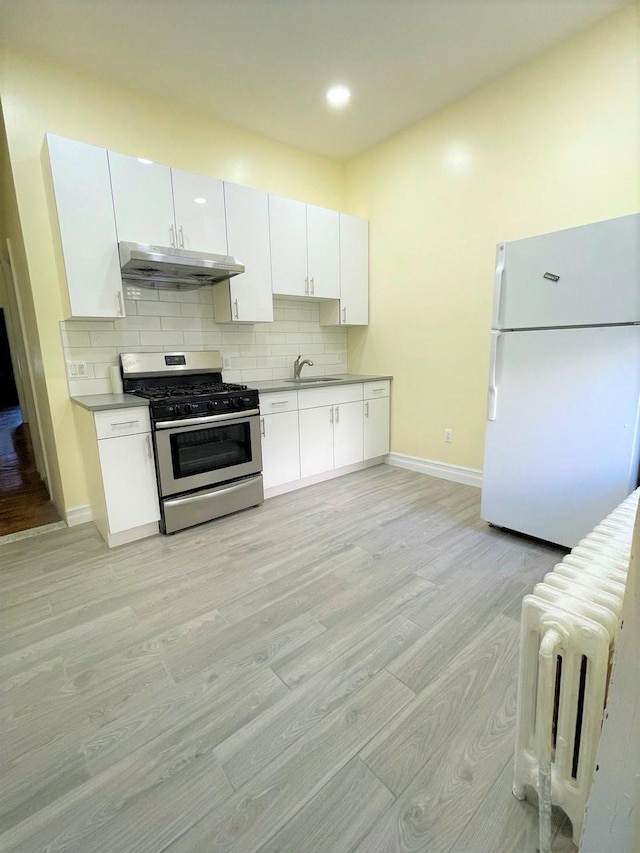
[[206, 435]]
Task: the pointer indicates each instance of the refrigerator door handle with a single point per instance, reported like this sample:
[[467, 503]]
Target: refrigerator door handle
[[493, 389], [501, 253]]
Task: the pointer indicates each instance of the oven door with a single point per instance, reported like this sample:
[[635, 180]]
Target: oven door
[[198, 452]]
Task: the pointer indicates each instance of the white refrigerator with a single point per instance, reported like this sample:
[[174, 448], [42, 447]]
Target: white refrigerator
[[563, 436]]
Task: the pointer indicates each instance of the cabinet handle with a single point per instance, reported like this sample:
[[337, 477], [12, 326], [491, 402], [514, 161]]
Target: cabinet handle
[[124, 423], [120, 304], [149, 449], [172, 234], [306, 287], [235, 309], [344, 314], [313, 286], [331, 415], [378, 390], [337, 414], [366, 410], [181, 238], [280, 403], [262, 430]]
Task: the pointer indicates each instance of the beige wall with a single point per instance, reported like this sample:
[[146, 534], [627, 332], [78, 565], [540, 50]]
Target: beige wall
[[40, 97], [552, 145]]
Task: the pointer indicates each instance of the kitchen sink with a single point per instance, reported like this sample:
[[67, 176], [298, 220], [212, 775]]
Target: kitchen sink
[[310, 379]]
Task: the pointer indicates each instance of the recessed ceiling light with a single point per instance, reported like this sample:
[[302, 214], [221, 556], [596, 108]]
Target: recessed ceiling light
[[338, 96], [200, 200], [145, 161]]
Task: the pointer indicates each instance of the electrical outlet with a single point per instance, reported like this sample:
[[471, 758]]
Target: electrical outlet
[[82, 368], [448, 435], [339, 358], [225, 363]]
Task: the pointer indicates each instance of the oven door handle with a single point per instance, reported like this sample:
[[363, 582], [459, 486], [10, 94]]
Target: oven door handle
[[209, 419]]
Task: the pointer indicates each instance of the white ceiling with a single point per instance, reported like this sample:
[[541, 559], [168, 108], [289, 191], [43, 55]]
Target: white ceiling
[[265, 64]]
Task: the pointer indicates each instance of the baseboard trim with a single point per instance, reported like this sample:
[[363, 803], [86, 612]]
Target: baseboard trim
[[444, 470], [274, 491], [79, 515]]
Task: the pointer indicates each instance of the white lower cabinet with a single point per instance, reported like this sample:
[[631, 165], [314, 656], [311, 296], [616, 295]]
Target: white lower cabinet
[[376, 428], [376, 418], [330, 435], [280, 449], [316, 440], [127, 507]]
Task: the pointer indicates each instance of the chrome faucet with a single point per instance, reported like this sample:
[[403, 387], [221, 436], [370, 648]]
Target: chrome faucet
[[298, 365]]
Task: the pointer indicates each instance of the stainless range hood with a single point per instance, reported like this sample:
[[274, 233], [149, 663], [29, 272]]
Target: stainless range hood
[[167, 268]]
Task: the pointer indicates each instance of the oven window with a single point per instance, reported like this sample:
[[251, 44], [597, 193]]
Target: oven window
[[210, 448]]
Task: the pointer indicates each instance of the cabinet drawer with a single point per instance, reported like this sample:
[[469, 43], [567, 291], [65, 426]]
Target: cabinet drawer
[[314, 397], [279, 401], [122, 422], [373, 390]]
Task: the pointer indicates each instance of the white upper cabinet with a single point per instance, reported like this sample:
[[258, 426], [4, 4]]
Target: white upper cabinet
[[353, 307], [142, 200], [167, 207], [354, 270], [288, 230], [305, 249], [199, 212], [246, 298], [323, 252], [82, 192]]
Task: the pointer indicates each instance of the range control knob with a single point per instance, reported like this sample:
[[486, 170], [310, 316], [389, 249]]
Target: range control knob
[[189, 408], [211, 406], [246, 401], [175, 410]]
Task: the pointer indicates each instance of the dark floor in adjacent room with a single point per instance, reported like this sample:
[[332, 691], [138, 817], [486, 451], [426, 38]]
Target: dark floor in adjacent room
[[24, 500]]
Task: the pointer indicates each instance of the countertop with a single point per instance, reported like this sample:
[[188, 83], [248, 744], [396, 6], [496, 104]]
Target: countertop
[[104, 402], [269, 385]]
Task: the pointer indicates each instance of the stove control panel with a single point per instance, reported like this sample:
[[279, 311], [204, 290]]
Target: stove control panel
[[234, 401]]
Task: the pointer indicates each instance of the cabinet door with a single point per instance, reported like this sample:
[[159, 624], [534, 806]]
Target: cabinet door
[[354, 271], [288, 229], [280, 449], [198, 202], [316, 440], [129, 478], [323, 246], [347, 434], [247, 213], [82, 192], [376, 427], [142, 200]]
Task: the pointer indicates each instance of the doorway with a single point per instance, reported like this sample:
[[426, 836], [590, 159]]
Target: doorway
[[24, 500]]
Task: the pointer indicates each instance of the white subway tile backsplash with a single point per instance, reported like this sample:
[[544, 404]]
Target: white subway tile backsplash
[[162, 338], [169, 321], [183, 324], [115, 339], [158, 309]]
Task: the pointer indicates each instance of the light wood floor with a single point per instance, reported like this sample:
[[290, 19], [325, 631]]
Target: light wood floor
[[332, 671]]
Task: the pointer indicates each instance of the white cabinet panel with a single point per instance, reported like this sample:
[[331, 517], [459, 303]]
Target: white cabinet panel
[[199, 212], [129, 479], [316, 440], [280, 449], [311, 398], [380, 388], [279, 401], [247, 298], [347, 434], [376, 427], [323, 247], [288, 229], [117, 422], [82, 190], [142, 200], [354, 271]]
